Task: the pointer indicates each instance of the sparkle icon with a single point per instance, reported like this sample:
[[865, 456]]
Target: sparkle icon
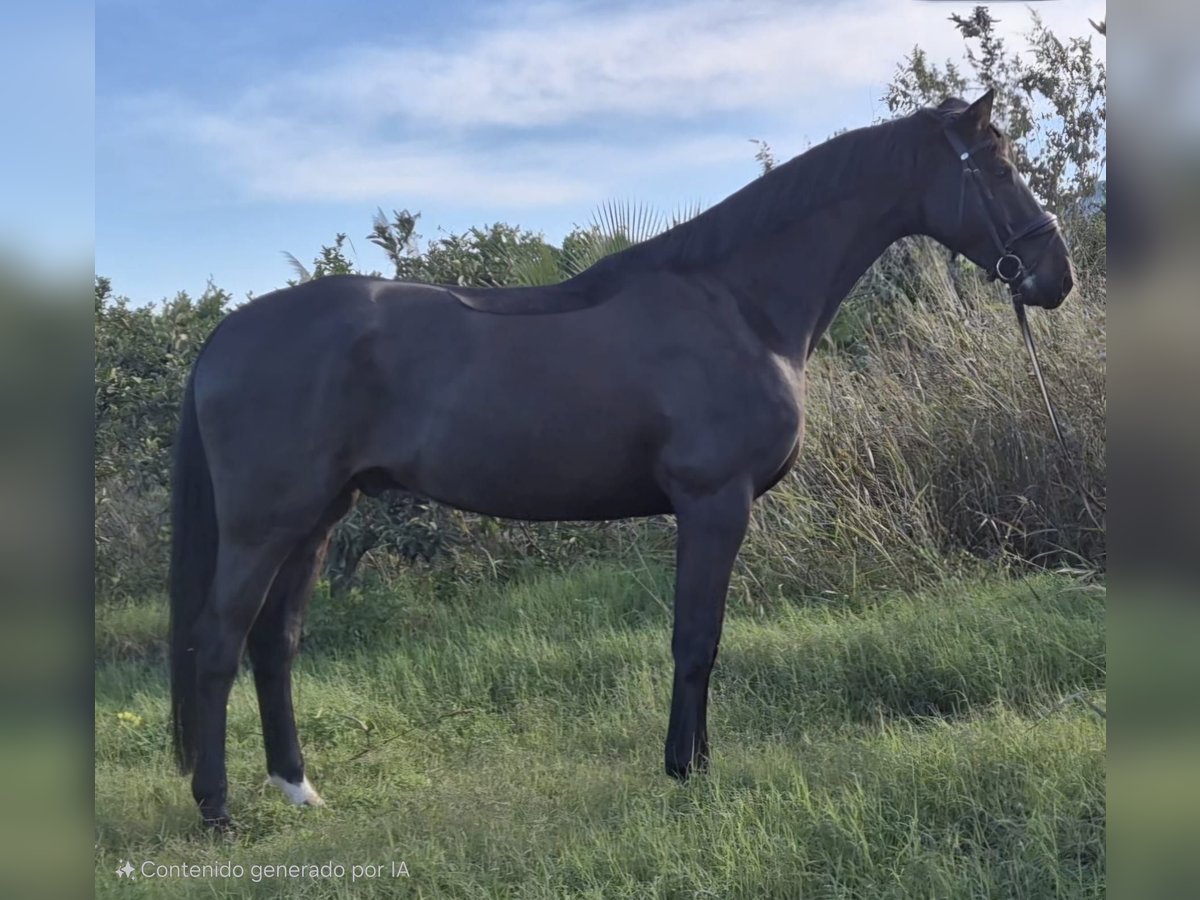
[[126, 870]]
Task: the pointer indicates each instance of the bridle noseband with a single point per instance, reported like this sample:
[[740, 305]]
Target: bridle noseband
[[1009, 267]]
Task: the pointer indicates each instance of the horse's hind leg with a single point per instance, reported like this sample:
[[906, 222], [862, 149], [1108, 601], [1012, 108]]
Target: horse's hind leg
[[244, 574], [273, 644]]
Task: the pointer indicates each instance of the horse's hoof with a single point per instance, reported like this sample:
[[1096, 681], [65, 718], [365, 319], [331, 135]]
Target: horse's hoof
[[298, 794], [678, 770], [683, 770], [216, 820], [219, 824]]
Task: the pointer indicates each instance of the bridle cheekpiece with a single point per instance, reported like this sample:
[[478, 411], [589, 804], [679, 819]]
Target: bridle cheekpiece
[[1009, 267]]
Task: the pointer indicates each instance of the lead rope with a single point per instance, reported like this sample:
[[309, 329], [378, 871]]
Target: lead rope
[[1088, 498]]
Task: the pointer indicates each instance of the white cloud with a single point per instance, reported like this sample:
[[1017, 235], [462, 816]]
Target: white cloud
[[557, 66], [375, 120]]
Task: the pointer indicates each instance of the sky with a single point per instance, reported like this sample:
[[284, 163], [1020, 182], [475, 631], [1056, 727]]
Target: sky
[[227, 133], [46, 155]]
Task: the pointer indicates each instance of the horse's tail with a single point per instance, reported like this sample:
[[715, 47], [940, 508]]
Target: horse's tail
[[193, 562]]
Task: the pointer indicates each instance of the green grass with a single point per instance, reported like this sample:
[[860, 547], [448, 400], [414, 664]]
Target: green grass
[[506, 742]]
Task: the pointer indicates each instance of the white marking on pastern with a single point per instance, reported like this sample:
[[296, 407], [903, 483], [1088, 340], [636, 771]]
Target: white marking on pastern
[[302, 794]]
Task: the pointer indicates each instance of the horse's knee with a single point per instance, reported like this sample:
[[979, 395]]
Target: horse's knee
[[216, 667], [273, 644]]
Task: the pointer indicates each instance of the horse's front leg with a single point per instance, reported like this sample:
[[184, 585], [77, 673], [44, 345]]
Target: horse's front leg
[[710, 531]]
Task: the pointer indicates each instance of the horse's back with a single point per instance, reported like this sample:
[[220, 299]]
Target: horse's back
[[528, 301]]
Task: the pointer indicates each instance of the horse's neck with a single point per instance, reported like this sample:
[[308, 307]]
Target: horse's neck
[[796, 281]]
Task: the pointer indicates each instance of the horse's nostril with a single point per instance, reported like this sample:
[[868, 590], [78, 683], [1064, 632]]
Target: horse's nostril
[[1068, 283]]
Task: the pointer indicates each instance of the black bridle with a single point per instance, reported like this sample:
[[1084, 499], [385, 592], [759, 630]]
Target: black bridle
[[1009, 267]]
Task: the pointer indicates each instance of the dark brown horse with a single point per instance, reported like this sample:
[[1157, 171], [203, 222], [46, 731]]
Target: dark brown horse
[[668, 378]]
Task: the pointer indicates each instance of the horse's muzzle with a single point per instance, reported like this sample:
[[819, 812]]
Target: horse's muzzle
[[1048, 285]]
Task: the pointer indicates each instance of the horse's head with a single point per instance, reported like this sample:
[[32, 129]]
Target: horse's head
[[977, 204]]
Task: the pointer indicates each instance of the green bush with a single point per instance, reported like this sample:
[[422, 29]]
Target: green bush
[[143, 356]]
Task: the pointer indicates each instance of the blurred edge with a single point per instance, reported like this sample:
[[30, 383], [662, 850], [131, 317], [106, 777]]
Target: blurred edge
[[47, 85], [46, 519], [1154, 233]]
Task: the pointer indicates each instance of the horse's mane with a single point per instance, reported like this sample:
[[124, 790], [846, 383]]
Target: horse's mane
[[798, 188]]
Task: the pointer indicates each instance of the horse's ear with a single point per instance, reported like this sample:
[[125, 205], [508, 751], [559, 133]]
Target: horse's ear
[[978, 116]]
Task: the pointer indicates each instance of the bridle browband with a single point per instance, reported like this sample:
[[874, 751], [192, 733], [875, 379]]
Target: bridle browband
[[1009, 267]]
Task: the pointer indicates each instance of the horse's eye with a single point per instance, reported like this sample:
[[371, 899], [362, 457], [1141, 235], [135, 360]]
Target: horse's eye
[[1002, 170]]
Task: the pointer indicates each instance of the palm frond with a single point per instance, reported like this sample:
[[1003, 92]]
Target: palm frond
[[628, 221], [686, 212], [535, 270], [617, 225]]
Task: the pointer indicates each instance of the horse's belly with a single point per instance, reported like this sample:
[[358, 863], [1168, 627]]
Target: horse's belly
[[536, 488], [560, 465], [578, 506]]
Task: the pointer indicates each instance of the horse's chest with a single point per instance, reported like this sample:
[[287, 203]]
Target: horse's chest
[[776, 423], [747, 423], [766, 401]]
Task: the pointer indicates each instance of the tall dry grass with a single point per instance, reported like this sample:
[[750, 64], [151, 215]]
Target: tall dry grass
[[927, 441]]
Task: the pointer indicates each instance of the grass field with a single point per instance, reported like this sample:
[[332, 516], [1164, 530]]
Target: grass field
[[507, 743]]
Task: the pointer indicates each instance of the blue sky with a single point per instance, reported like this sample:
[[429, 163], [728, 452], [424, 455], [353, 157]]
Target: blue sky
[[46, 171], [227, 132]]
